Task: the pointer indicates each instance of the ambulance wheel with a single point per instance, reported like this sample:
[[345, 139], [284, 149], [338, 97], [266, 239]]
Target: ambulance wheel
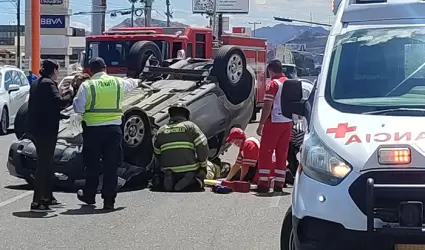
[[21, 120], [287, 233], [140, 54], [137, 138], [230, 68]]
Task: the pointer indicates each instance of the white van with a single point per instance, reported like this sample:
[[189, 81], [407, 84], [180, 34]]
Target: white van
[[361, 180]]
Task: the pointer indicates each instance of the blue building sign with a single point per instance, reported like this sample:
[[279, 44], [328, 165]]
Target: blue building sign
[[52, 21], [51, 2]]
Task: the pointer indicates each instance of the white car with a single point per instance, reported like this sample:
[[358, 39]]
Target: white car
[[361, 179], [14, 92]]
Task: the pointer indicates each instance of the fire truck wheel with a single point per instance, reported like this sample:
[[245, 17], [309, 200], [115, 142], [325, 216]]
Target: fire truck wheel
[[230, 67], [137, 138], [21, 121], [139, 55]]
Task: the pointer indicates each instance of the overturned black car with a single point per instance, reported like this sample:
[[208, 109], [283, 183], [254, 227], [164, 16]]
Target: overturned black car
[[218, 95]]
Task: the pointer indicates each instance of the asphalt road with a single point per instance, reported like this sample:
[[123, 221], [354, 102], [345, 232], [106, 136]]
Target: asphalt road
[[143, 220]]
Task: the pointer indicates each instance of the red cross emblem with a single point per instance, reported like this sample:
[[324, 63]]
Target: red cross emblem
[[341, 130]]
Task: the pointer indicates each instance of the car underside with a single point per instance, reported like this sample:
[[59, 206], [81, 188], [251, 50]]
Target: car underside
[[216, 100]]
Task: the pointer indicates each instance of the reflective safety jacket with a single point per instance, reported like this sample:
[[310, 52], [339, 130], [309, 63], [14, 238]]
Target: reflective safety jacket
[[181, 146], [104, 100]]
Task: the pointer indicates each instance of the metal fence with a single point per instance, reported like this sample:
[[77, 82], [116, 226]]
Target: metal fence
[[26, 65]]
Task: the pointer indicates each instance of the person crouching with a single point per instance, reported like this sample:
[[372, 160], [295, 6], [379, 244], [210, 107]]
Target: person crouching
[[181, 150]]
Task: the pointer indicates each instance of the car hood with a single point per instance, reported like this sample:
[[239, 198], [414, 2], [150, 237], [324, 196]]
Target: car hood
[[356, 137]]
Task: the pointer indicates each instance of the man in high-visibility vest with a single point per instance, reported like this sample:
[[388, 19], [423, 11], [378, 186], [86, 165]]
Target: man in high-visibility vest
[[100, 101], [182, 151]]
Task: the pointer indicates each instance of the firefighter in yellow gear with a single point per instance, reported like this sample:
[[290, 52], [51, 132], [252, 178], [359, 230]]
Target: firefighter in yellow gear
[[182, 151]]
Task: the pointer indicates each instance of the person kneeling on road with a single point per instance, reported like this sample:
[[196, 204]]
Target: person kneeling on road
[[182, 151], [245, 167]]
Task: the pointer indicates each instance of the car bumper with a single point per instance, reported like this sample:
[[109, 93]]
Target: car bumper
[[317, 234], [366, 212], [23, 166]]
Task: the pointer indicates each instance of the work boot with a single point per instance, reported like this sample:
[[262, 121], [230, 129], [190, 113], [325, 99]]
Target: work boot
[[262, 189], [85, 199], [184, 182], [168, 181], [278, 189]]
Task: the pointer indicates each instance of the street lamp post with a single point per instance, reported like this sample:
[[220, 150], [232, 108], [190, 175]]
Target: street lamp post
[[290, 20]]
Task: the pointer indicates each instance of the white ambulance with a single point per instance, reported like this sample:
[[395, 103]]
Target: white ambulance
[[361, 180]]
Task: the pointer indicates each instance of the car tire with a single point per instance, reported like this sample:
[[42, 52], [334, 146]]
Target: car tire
[[137, 138], [230, 68], [4, 121], [21, 121], [138, 56], [286, 235]]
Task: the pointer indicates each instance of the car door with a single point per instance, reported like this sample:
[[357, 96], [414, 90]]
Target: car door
[[25, 86], [13, 96], [17, 98]]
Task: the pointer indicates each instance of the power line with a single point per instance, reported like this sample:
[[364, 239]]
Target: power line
[[255, 25]]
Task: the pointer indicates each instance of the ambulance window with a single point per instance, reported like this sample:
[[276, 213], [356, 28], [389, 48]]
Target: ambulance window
[[382, 67]]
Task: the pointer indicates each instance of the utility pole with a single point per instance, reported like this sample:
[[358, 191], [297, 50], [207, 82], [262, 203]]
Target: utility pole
[[132, 12], [148, 13], [214, 14], [168, 13], [255, 25], [18, 34]]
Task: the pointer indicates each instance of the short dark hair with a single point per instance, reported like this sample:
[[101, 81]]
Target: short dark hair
[[97, 64], [275, 66], [48, 66]]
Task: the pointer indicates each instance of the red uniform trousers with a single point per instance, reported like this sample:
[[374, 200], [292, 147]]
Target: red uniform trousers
[[275, 138]]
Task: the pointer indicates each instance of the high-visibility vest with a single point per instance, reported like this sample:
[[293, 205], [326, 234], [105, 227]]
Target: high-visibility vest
[[104, 100]]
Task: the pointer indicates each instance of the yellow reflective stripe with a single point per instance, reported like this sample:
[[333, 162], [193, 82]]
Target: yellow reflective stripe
[[203, 164], [201, 139], [176, 145], [156, 150], [184, 168]]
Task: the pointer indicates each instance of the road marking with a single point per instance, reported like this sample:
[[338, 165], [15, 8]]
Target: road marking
[[274, 201], [16, 198]]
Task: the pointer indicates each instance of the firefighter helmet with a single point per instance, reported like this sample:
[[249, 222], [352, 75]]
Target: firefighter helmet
[[177, 109]]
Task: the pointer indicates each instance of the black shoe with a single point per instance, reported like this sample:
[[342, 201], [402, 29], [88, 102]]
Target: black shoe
[[278, 189], [263, 190], [108, 206], [168, 181], [55, 203], [185, 181], [85, 199], [40, 208]]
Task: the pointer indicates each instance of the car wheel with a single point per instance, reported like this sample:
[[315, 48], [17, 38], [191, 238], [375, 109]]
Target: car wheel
[[139, 55], [137, 138], [21, 120], [287, 234], [4, 121], [232, 74]]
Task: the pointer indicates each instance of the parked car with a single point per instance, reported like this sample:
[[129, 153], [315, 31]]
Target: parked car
[[14, 92]]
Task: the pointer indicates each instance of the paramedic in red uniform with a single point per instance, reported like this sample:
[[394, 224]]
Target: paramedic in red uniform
[[245, 167], [275, 131]]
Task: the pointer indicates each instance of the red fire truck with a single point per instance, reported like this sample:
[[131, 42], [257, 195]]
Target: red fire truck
[[126, 50]]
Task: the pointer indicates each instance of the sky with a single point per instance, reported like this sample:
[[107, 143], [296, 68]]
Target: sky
[[260, 11]]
